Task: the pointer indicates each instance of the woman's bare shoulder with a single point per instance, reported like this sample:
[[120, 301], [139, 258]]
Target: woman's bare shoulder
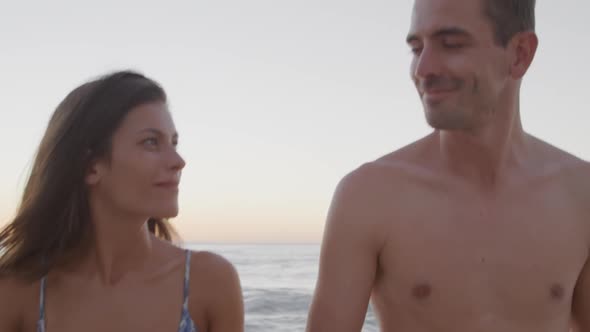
[[217, 289], [213, 277], [14, 289], [15, 295], [212, 268]]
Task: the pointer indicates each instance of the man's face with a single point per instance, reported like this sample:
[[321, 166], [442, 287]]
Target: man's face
[[458, 69]]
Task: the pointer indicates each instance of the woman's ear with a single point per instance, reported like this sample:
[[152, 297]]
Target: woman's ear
[[94, 171]]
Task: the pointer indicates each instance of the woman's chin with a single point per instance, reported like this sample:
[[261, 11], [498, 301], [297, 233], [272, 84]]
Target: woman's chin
[[165, 213]]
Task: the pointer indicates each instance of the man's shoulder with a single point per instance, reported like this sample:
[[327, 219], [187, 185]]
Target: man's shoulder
[[558, 161], [396, 167], [579, 171], [379, 183], [372, 196], [576, 177], [568, 170]]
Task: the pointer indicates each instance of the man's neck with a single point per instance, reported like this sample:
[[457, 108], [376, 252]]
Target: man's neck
[[486, 155]]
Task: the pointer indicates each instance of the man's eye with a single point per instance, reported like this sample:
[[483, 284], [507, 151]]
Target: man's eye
[[453, 45], [416, 50], [152, 141]]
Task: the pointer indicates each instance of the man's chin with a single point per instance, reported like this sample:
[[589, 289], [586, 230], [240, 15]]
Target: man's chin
[[446, 119]]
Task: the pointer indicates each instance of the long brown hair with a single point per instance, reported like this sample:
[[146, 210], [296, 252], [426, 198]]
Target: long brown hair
[[52, 225]]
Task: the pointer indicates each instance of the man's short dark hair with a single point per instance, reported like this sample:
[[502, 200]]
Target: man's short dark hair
[[510, 17]]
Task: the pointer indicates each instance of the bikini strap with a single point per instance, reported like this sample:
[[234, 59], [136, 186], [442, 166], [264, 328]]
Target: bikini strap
[[41, 322], [187, 275]]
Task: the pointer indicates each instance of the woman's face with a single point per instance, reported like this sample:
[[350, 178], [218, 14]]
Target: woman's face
[[142, 175]]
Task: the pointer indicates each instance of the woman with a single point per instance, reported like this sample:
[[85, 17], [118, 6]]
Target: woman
[[89, 248]]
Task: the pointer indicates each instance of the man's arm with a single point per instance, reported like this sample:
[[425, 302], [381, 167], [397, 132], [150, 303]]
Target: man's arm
[[349, 257], [581, 302]]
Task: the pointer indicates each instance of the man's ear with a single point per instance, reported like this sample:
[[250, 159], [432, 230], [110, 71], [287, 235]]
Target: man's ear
[[524, 47]]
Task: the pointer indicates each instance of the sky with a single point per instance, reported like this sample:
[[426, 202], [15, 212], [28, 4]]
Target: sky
[[274, 100]]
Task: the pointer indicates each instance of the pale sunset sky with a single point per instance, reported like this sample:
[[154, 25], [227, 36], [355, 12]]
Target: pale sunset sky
[[274, 100]]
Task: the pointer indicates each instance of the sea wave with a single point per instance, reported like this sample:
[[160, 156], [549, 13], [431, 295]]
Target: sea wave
[[283, 310], [278, 283], [276, 301]]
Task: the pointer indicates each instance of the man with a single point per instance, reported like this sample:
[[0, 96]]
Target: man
[[479, 226]]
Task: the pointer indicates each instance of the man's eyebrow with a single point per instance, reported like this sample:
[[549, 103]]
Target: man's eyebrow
[[451, 31], [443, 32]]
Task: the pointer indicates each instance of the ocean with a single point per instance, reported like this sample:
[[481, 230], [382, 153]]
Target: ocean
[[277, 283]]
